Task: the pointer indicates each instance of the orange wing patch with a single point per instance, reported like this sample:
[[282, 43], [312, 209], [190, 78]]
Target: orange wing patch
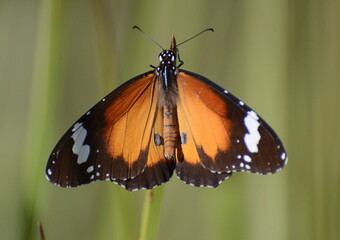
[[204, 115], [131, 118]]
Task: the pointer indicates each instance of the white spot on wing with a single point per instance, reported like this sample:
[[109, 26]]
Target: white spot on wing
[[49, 172], [79, 148], [253, 136], [283, 156], [241, 103], [76, 126], [79, 137], [83, 154], [90, 169], [247, 158]]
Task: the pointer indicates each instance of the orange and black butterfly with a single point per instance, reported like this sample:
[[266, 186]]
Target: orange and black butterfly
[[164, 120]]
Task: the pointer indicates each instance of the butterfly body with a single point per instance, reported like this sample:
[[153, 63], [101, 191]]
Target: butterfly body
[[163, 121], [167, 99]]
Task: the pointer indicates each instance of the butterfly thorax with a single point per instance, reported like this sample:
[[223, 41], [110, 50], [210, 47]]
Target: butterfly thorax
[[166, 73]]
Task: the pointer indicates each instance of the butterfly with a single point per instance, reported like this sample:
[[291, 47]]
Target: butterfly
[[162, 121]]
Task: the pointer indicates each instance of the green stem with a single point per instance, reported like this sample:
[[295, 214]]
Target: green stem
[[151, 213], [39, 117]]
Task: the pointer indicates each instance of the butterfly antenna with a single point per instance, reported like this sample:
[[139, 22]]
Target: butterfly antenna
[[205, 30], [146, 35]]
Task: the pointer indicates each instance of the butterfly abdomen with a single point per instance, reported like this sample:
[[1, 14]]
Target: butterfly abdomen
[[170, 131]]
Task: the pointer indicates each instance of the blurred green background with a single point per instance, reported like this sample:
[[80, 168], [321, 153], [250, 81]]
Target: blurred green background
[[58, 58]]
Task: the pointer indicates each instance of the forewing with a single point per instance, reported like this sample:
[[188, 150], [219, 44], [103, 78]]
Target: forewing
[[110, 141], [227, 134]]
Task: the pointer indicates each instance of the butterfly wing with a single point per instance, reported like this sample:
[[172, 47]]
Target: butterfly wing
[[111, 141], [158, 168], [223, 134], [189, 167]]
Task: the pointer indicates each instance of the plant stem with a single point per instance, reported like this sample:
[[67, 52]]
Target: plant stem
[[151, 213]]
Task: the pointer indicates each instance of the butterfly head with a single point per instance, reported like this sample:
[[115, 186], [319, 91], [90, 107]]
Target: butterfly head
[[168, 57]]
